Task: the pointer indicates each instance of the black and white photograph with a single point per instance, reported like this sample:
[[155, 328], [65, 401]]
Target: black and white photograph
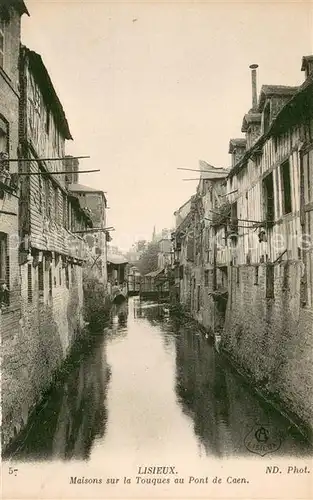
[[156, 249]]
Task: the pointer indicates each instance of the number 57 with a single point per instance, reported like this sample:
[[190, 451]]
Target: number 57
[[13, 471]]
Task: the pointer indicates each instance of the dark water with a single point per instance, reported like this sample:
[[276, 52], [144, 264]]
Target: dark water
[[149, 386]]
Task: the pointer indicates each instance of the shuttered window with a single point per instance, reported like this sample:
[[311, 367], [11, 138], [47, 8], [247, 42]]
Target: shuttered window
[[50, 282], [64, 211], [29, 283], [40, 193], [256, 275], [56, 204], [41, 283], [67, 278], [4, 270], [47, 197]]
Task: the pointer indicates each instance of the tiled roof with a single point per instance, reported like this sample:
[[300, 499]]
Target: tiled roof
[[235, 143], [251, 117], [117, 259], [80, 188], [49, 94], [275, 90]]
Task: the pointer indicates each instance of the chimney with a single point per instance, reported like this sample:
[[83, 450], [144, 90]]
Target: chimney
[[253, 68]]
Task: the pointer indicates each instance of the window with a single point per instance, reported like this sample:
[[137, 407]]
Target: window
[[2, 42], [4, 271], [181, 272], [206, 277], [41, 286], [234, 218], [64, 211], [223, 277], [50, 282], [73, 274], [56, 204], [67, 278], [69, 216], [47, 197], [190, 248], [29, 283], [39, 193], [256, 275], [268, 194], [269, 281], [286, 187], [198, 298], [4, 136], [238, 275]]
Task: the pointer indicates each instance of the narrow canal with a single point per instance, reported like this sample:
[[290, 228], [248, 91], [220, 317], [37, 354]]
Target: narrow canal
[[150, 388]]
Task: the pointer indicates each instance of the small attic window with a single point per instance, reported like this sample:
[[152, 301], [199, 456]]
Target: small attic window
[[266, 117]]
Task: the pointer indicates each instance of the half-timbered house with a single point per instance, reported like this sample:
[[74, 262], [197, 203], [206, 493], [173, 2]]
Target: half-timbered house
[[269, 320]]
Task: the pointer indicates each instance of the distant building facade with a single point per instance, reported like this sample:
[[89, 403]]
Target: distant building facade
[[116, 268], [95, 202]]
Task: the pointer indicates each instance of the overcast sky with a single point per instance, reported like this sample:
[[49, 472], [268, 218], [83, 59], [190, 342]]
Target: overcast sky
[[150, 87]]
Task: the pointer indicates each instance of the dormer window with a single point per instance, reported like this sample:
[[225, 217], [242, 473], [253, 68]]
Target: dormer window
[[237, 148], [266, 117]]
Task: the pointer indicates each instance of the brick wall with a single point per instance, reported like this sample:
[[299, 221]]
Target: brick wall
[[271, 339], [9, 105], [34, 350]]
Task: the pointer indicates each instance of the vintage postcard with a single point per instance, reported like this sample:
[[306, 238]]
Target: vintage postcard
[[156, 249]]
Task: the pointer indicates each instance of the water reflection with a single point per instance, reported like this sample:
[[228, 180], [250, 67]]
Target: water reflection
[[73, 413], [150, 386], [158, 315], [222, 406], [119, 318]]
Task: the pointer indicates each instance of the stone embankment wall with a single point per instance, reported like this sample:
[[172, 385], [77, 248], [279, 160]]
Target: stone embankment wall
[[269, 337], [33, 352]]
